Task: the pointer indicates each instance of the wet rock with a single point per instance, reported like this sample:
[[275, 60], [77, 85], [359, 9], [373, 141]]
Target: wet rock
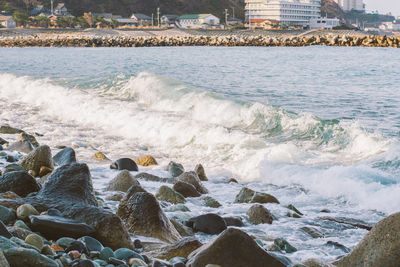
[[283, 245], [199, 169], [146, 161], [26, 210], [21, 224], [124, 164], [47, 250], [122, 182], [3, 141], [13, 167], [233, 221], [19, 182], [65, 242], [247, 195], [165, 193], [349, 221], [182, 248], [7, 129], [209, 223], [54, 227], [259, 214], [21, 146], [91, 243], [187, 190], [232, 248], [64, 157], [210, 202], [44, 171], [35, 240], [100, 156], [312, 231], [3, 231], [175, 169], [144, 216], [115, 196], [380, 247], [7, 215], [19, 232], [193, 179], [106, 253], [182, 229], [338, 246], [39, 157], [293, 208], [126, 254], [30, 138]]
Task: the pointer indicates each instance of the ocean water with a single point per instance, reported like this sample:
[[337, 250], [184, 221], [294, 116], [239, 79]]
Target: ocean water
[[317, 127]]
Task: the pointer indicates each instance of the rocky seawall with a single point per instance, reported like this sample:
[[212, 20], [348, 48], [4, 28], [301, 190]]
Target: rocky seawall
[[156, 41], [50, 215]]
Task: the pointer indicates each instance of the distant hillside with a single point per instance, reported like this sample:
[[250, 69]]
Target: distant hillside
[[330, 9], [127, 7]]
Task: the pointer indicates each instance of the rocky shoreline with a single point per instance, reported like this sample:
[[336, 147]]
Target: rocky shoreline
[[50, 215], [227, 40]]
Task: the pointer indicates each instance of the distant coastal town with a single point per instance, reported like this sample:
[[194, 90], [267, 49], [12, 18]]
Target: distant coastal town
[[252, 14]]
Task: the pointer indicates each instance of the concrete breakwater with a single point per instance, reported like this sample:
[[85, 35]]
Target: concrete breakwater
[[135, 41]]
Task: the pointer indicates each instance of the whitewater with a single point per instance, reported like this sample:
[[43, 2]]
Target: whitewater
[[317, 127]]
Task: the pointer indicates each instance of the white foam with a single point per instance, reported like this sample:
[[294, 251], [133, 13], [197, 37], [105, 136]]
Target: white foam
[[180, 122]]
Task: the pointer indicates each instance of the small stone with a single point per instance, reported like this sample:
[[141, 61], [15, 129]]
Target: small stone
[[21, 224], [233, 180], [199, 169], [124, 164], [116, 262], [74, 254], [233, 221], [9, 195], [47, 250], [56, 247], [282, 244], [193, 179], [122, 182], [211, 202], [78, 246], [312, 231], [187, 190], [146, 161], [44, 171], [65, 242], [209, 223], [258, 214], [25, 210], [7, 215], [165, 193], [100, 156], [175, 169], [126, 254], [3, 231], [135, 262], [293, 208], [19, 182], [34, 240], [39, 157], [91, 243], [106, 253]]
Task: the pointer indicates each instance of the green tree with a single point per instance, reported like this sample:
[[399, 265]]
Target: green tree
[[21, 18], [66, 22], [41, 21], [82, 22], [114, 24]]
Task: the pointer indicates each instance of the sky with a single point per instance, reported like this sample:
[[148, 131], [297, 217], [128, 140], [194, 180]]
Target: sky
[[383, 6]]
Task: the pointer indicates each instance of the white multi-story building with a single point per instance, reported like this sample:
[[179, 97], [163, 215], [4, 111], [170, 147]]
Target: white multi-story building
[[349, 5], [284, 12]]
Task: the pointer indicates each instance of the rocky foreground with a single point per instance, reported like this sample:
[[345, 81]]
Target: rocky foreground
[[50, 216], [226, 40]]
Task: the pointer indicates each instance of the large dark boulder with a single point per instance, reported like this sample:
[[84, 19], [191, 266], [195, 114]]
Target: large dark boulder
[[124, 164], [209, 223], [65, 156], [39, 157], [69, 189], [55, 227], [19, 182], [187, 190], [232, 248], [380, 247], [73, 181], [144, 216]]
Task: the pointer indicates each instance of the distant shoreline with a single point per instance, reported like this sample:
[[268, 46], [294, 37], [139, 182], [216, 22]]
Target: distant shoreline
[[178, 37]]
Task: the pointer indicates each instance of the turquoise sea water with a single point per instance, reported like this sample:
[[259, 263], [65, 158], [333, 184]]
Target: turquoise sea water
[[318, 126]]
